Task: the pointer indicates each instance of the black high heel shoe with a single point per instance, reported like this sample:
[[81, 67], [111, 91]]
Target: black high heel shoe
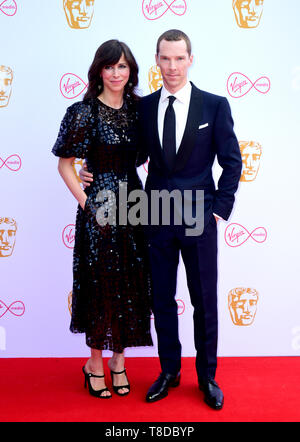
[[96, 393], [117, 388]]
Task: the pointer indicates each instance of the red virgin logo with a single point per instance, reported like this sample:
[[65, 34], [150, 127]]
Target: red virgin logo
[[71, 86], [13, 163], [180, 308], [16, 308], [155, 9], [145, 166], [239, 85], [68, 236], [236, 235], [9, 7]]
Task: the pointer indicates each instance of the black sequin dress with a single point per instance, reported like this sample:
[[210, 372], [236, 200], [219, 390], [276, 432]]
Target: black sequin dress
[[111, 283]]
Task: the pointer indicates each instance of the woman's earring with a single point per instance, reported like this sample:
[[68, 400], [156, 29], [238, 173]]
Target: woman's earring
[[130, 84]]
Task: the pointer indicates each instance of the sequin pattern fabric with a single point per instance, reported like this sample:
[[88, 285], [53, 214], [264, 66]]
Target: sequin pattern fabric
[[111, 295]]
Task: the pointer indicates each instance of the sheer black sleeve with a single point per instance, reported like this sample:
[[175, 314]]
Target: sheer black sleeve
[[77, 131]]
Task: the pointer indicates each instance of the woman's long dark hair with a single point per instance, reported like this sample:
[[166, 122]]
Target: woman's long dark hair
[[108, 54]]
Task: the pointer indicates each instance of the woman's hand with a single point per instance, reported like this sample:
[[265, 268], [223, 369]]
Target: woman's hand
[[85, 176], [67, 173]]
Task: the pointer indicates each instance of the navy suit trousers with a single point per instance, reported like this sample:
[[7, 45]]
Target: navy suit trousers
[[199, 255]]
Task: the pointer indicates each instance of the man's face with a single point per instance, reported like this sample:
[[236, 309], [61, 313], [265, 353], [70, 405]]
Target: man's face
[[242, 305], [79, 13], [248, 12], [7, 238], [155, 78], [251, 153], [6, 77], [174, 61]]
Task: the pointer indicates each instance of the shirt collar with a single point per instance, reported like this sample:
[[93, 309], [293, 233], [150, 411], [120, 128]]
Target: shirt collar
[[183, 95]]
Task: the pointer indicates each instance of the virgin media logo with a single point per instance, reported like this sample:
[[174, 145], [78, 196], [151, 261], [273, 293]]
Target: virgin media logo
[[16, 308], [9, 7], [68, 236], [71, 86], [180, 308], [145, 166], [13, 163], [155, 9], [236, 235], [239, 85]]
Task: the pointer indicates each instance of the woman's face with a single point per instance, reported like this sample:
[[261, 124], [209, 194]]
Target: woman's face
[[116, 76]]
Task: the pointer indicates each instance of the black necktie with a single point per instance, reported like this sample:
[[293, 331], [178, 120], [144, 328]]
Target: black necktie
[[169, 134]]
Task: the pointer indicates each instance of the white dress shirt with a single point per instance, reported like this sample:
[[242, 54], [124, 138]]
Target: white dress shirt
[[181, 108]]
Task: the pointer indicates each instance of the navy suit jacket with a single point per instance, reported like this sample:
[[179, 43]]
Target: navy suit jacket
[[196, 153]]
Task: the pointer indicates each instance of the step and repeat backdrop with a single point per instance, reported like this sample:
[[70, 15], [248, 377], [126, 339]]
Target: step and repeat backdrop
[[245, 50]]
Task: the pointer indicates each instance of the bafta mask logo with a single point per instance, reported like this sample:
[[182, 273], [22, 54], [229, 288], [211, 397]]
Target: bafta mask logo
[[77, 165], [6, 78], [155, 80], [242, 303], [79, 13], [248, 12], [70, 302], [8, 231], [251, 154]]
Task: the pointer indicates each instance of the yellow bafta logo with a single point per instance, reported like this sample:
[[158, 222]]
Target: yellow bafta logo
[[248, 12], [242, 304], [70, 302], [6, 78], [79, 13], [251, 154], [155, 80], [77, 165], [8, 231]]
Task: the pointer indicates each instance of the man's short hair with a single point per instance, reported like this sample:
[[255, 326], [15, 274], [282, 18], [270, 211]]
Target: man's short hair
[[174, 35]]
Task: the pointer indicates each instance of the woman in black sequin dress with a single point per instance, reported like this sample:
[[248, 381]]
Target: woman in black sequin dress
[[111, 282]]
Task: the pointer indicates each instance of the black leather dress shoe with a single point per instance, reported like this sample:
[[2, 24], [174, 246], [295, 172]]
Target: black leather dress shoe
[[159, 389], [213, 394]]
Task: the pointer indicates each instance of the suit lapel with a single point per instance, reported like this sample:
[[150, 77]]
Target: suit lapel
[[190, 132]]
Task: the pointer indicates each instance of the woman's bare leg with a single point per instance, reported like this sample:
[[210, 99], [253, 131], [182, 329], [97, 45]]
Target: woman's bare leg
[[116, 363], [94, 365]]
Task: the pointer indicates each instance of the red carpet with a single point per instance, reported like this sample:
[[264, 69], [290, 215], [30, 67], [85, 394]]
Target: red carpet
[[261, 389]]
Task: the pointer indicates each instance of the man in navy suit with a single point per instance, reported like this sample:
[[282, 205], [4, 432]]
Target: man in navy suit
[[183, 129], [203, 130]]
